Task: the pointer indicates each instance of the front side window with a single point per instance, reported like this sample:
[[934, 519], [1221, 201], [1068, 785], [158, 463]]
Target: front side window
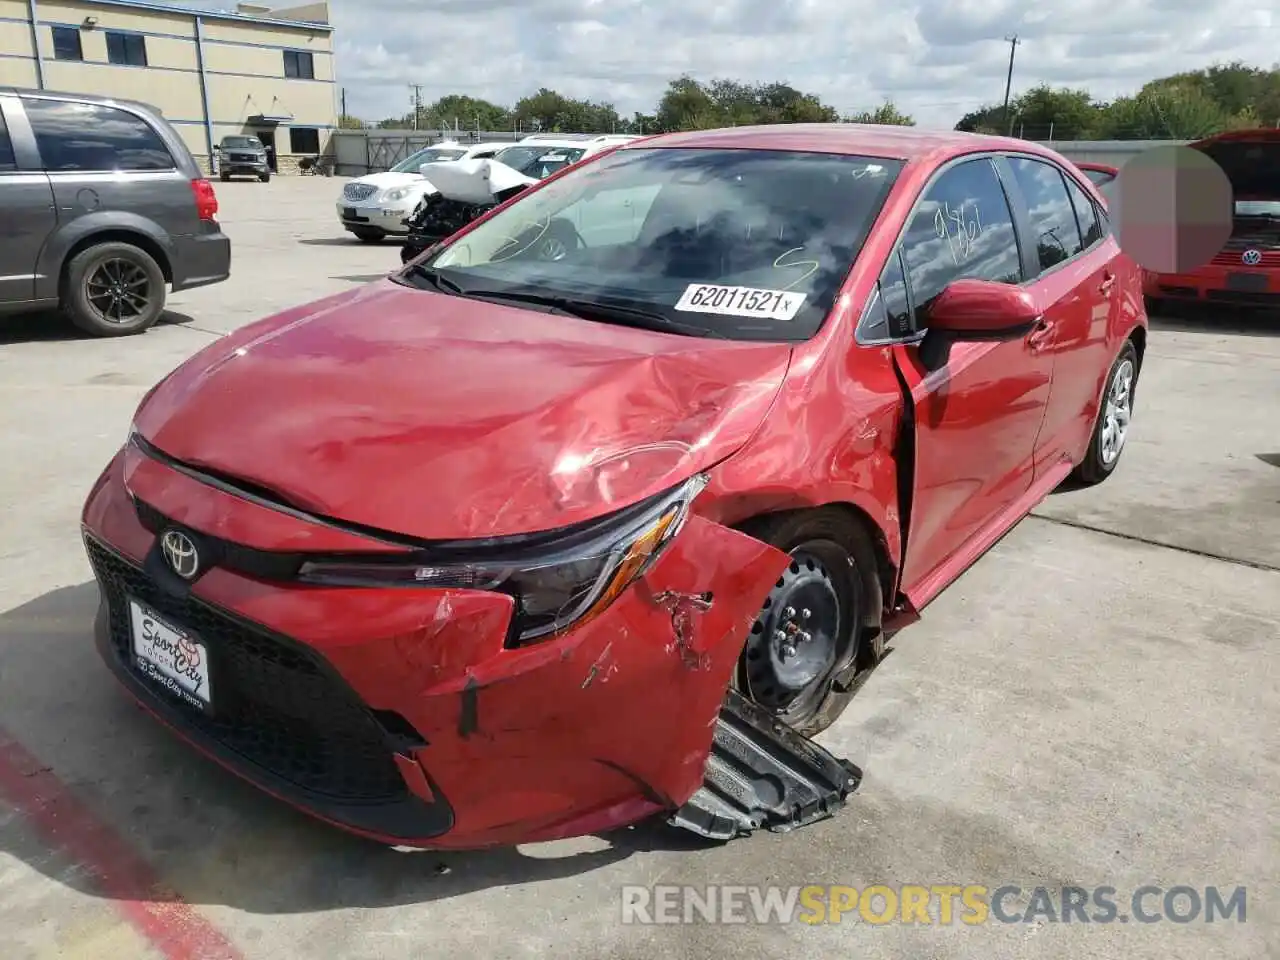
[[1053, 220], [539, 162], [962, 230], [91, 137], [127, 49], [746, 244]]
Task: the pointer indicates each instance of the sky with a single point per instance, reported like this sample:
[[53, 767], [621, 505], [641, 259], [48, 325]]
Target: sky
[[936, 59]]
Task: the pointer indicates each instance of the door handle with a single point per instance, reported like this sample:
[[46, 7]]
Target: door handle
[[1038, 338], [1108, 281]]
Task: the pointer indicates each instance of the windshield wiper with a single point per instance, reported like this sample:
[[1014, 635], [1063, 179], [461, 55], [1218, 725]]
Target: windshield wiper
[[638, 317], [435, 278]]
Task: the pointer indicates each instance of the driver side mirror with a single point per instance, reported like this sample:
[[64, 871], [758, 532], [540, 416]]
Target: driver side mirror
[[982, 310]]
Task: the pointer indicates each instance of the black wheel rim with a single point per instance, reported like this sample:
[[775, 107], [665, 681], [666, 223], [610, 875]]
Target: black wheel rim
[[118, 290], [801, 636]]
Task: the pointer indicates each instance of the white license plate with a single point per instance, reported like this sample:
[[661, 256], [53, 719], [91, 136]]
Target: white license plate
[[170, 656]]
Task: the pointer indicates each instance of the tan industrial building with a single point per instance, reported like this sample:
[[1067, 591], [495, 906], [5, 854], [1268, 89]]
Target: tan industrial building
[[251, 69]]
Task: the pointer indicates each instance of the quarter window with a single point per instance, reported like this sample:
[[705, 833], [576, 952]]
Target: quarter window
[[7, 159], [1091, 225], [299, 64], [127, 49], [66, 44], [86, 136], [1053, 221], [962, 230]]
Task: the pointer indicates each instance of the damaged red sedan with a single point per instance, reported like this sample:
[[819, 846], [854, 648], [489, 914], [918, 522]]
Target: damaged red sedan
[[603, 506]]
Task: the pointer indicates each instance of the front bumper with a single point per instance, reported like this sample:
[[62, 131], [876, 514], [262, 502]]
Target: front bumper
[[389, 218], [400, 714], [1217, 284]]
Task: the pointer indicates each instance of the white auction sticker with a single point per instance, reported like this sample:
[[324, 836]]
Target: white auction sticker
[[740, 301]]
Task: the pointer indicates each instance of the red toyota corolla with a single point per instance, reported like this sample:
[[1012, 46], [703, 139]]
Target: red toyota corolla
[[601, 507]]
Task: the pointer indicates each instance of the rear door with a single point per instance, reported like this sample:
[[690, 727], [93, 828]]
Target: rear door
[[979, 413], [102, 158], [1074, 285], [27, 212]]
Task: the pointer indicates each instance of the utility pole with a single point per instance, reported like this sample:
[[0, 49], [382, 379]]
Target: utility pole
[[1013, 42], [344, 101], [417, 102]]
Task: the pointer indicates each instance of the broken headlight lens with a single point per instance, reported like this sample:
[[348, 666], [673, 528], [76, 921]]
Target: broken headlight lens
[[559, 584]]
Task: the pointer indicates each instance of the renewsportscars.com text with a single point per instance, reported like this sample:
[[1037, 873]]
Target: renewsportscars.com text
[[941, 904]]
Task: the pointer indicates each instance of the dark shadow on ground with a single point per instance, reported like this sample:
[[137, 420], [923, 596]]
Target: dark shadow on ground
[[1271, 459], [51, 326], [1217, 318], [345, 242], [208, 835], [362, 278]]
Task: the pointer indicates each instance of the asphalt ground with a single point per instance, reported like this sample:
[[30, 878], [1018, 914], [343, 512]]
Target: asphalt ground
[[1094, 704]]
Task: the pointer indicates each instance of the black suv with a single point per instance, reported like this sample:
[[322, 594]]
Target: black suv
[[103, 208], [240, 156]]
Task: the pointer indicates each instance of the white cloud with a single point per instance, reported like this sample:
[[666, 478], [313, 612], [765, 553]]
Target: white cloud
[[937, 59]]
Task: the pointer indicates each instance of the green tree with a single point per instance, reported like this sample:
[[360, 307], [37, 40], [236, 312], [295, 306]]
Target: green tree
[[1043, 113], [348, 122], [886, 113], [468, 113], [688, 104], [552, 112]]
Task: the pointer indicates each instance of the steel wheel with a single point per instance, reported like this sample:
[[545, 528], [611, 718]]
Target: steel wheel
[[799, 638], [118, 290], [1117, 413]]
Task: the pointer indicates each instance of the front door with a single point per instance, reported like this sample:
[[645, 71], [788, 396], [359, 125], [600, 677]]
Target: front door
[[29, 216], [268, 138], [978, 414]]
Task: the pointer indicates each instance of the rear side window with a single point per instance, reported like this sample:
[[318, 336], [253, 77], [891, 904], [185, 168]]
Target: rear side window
[[1053, 219], [1091, 230], [962, 230], [89, 137], [7, 161]]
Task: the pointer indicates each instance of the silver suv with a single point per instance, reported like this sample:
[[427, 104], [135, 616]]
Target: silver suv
[[104, 209]]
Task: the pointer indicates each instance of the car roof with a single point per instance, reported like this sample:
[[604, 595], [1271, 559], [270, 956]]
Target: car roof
[[564, 144], [97, 98], [864, 139]]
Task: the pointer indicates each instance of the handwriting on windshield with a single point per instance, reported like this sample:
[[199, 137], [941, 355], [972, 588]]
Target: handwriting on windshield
[[810, 266], [960, 227]]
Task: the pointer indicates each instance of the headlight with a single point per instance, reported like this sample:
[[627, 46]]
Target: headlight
[[561, 582], [399, 193]]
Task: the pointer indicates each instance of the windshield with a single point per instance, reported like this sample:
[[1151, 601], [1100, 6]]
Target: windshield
[[1258, 208], [429, 155], [242, 143], [747, 244], [538, 161]]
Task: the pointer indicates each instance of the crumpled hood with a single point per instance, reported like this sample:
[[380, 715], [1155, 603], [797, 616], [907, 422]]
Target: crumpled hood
[[441, 417], [389, 180]]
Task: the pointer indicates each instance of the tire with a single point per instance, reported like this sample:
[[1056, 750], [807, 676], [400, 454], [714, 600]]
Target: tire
[[368, 235], [264, 177], [224, 177], [1156, 306], [1116, 409], [834, 569], [94, 279]]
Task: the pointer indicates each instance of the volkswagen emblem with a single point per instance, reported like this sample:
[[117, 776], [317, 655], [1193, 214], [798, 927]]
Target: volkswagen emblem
[[180, 553], [1251, 258]]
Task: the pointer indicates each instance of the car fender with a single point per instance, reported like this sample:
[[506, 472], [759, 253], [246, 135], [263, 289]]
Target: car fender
[[65, 237]]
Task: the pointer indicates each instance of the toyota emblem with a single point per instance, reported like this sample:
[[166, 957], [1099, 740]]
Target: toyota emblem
[[180, 553], [1252, 258]]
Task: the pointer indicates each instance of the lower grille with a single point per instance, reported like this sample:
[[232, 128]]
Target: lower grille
[[275, 704]]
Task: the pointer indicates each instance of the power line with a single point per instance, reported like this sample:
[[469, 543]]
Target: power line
[[1013, 42]]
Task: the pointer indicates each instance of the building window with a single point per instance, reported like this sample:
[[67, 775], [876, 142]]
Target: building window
[[304, 140], [76, 136], [66, 44], [299, 64], [129, 49]]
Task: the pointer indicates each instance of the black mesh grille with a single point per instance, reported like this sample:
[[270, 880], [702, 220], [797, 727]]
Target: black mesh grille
[[275, 705]]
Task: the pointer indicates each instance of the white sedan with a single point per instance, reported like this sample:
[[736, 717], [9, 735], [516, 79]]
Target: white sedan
[[375, 206]]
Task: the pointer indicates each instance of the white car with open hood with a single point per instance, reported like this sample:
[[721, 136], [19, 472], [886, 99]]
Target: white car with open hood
[[375, 206]]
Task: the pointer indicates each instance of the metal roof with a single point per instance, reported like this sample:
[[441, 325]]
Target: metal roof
[[159, 7]]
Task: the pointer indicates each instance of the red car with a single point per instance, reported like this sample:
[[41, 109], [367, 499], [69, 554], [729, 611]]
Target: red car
[[1247, 269], [616, 493]]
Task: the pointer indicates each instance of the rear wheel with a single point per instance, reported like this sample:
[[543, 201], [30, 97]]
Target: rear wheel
[[113, 289], [368, 234], [264, 177], [224, 177], [1111, 429], [820, 623]]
